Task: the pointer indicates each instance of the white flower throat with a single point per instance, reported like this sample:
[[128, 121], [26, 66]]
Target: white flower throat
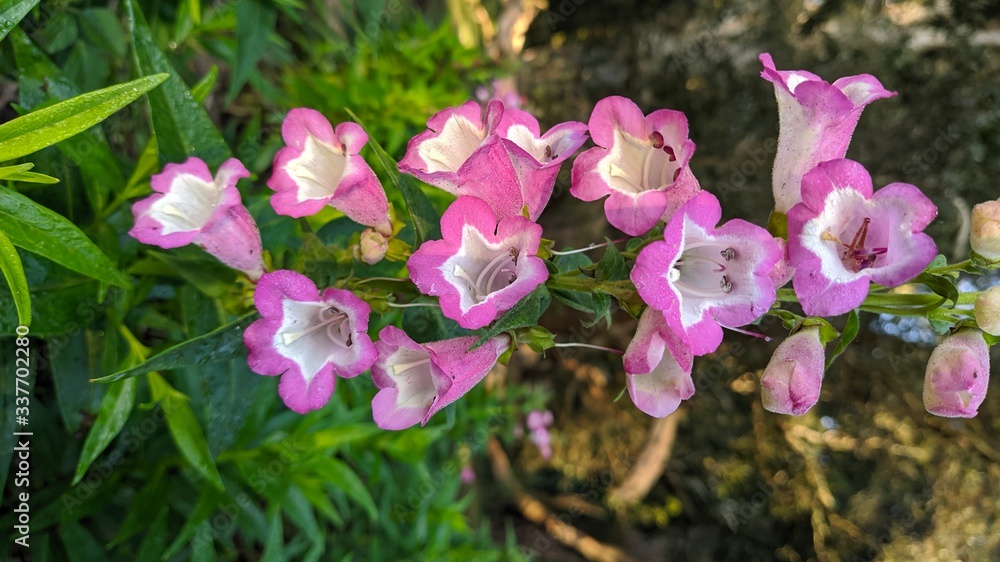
[[498, 274], [701, 270]]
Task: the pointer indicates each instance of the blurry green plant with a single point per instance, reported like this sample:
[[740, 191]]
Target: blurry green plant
[[198, 459]]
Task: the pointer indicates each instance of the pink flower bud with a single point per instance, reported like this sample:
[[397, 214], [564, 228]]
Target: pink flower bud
[[372, 247], [985, 238], [958, 373], [794, 376], [987, 311]]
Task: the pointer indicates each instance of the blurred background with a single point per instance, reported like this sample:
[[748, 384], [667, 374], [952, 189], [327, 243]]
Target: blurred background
[[866, 475]]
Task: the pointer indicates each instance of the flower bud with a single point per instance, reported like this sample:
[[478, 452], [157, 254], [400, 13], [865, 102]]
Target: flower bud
[[794, 376], [987, 311], [958, 373], [985, 237], [372, 247]]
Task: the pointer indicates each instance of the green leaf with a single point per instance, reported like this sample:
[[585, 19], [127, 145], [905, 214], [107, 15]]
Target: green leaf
[[424, 218], [12, 12], [155, 540], [219, 345], [254, 23], [524, 314], [40, 82], [72, 359], [44, 232], [21, 173], [181, 125], [846, 337], [941, 285], [274, 549], [184, 429], [208, 501], [343, 477], [102, 28], [13, 271], [81, 546], [203, 88], [45, 127], [612, 266], [111, 417]]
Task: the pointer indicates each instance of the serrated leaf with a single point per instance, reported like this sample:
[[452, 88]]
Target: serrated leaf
[[184, 429], [13, 272], [12, 12], [219, 345], [254, 23], [522, 315], [846, 337], [181, 125], [45, 127], [116, 406], [46, 233]]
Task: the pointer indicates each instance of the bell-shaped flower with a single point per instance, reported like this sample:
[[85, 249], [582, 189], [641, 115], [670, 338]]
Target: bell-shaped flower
[[482, 267], [499, 156], [190, 206], [958, 373], [985, 235], [307, 337], [322, 166], [417, 380], [841, 237], [816, 120], [987, 310], [657, 366], [640, 163], [703, 277], [792, 379]]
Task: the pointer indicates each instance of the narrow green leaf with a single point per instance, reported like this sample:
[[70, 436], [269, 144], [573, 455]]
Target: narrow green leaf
[[940, 284], [12, 12], [423, 217], [343, 477], [155, 540], [72, 359], [46, 233], [524, 314], [203, 88], [102, 27], [181, 125], [219, 345], [42, 81], [208, 501], [846, 337], [185, 429], [80, 545], [254, 23], [8, 171], [111, 417], [45, 127], [13, 271], [274, 549], [32, 177]]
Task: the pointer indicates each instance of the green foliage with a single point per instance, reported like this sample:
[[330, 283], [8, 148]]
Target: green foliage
[[181, 452]]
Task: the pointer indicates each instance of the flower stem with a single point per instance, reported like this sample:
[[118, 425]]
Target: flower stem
[[412, 305], [587, 249], [589, 346]]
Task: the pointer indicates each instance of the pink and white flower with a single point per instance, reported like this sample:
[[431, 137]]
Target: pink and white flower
[[841, 237], [703, 277], [816, 121], [793, 378], [482, 267], [417, 380], [307, 337], [499, 156], [958, 374], [190, 206], [657, 367], [322, 166], [640, 163]]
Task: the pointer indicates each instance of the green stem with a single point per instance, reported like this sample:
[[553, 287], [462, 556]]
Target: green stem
[[960, 266]]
